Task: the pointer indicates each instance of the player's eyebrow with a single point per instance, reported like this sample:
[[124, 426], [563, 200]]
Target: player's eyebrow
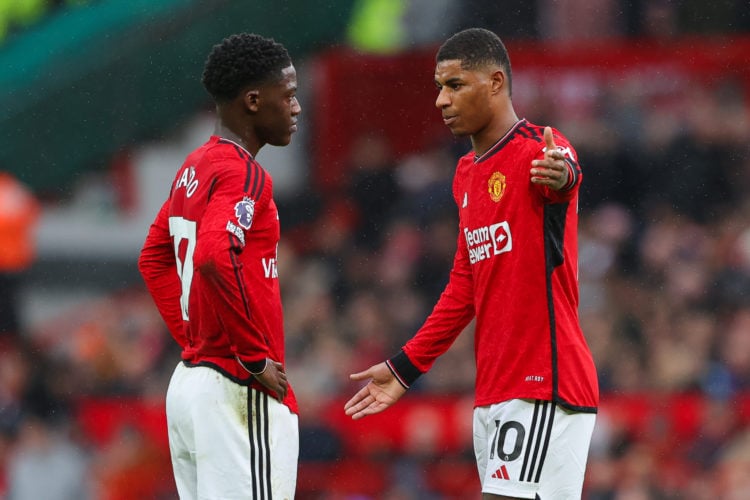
[[449, 81]]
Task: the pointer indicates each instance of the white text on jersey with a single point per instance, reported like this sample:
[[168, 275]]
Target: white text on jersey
[[488, 241], [236, 231], [188, 181], [269, 267]]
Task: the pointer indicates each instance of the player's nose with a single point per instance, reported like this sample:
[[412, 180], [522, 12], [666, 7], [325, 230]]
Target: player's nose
[[442, 99]]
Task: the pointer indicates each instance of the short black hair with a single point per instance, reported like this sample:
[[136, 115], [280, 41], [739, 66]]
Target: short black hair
[[475, 48], [241, 60]]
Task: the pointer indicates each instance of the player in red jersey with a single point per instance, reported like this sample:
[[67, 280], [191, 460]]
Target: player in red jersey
[[209, 261], [515, 271]]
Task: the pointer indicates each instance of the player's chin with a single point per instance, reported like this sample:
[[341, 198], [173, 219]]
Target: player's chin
[[281, 140], [458, 131]]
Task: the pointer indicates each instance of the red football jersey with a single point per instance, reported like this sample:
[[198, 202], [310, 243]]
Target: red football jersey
[[515, 270], [209, 261]]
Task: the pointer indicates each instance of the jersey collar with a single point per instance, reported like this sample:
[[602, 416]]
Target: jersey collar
[[224, 139], [500, 142]]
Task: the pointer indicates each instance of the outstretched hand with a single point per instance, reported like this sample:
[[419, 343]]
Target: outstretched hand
[[382, 390], [274, 378], [552, 171]]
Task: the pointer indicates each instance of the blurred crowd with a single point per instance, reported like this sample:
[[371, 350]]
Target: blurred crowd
[[664, 251]]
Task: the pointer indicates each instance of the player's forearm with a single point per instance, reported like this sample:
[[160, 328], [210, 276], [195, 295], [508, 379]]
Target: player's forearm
[[156, 265], [223, 277], [453, 311], [166, 296]]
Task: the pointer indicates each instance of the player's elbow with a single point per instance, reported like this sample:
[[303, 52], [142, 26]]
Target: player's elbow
[[146, 264], [207, 269], [204, 262]]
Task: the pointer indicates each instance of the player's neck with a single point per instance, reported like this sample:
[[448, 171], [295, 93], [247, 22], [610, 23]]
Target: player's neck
[[226, 132], [487, 138]]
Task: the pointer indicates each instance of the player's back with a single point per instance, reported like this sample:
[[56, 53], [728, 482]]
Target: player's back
[[191, 188], [225, 228]]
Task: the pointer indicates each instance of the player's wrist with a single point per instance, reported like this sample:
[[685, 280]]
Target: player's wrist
[[403, 369], [254, 368], [572, 177]]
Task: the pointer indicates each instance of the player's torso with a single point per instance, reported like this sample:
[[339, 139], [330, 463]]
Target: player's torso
[[195, 185], [502, 223], [255, 223]]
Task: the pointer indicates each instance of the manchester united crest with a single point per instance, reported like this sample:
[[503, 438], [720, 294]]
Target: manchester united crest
[[496, 186]]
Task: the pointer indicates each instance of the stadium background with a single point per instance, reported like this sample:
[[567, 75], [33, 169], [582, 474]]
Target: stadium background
[[101, 101]]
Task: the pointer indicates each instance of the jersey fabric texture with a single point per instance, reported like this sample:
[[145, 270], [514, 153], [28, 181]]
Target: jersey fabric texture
[[209, 261], [515, 270]]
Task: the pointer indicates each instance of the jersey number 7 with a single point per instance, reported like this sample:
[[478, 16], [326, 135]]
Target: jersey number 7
[[182, 229]]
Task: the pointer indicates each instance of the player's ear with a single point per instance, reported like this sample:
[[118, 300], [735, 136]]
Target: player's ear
[[250, 98], [498, 81]]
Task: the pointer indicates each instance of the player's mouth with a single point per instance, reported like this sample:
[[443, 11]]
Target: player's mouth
[[448, 120], [293, 128]]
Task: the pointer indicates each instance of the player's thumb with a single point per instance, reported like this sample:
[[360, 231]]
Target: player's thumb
[[362, 375], [549, 139]]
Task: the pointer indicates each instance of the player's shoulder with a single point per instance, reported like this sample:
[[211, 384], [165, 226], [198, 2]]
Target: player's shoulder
[[220, 149], [237, 166], [213, 155], [228, 159], [467, 159], [534, 134]]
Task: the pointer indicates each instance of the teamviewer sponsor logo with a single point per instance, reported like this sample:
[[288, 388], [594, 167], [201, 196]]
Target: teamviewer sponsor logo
[[488, 241], [501, 239]]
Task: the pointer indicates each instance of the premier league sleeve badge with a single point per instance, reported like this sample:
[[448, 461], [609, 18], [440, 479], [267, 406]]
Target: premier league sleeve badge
[[244, 211]]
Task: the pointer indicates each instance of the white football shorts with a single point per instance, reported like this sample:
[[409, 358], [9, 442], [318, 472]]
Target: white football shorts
[[228, 441], [526, 448]]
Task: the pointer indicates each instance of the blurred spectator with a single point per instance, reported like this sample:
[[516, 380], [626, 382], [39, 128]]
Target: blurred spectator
[[730, 371], [719, 424], [15, 374], [658, 20], [133, 466], [721, 16], [733, 471], [578, 19], [373, 187], [695, 172], [19, 211], [46, 464], [424, 181], [113, 346]]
